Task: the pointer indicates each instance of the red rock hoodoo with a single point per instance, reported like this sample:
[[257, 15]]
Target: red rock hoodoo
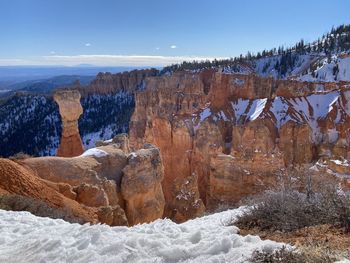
[[70, 111]]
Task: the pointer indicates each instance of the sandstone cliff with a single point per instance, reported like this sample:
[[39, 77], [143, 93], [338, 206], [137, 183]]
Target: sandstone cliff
[[130, 81], [235, 132], [141, 186]]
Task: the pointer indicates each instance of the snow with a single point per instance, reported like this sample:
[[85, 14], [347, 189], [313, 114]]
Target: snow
[[341, 162], [325, 72], [90, 139], [205, 114], [132, 155], [222, 116], [344, 69], [27, 238], [279, 108], [239, 107], [313, 108], [343, 261], [333, 135], [250, 108], [256, 108], [94, 152], [310, 110], [238, 82]]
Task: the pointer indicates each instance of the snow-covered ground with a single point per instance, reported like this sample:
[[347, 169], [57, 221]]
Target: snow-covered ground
[[27, 238]]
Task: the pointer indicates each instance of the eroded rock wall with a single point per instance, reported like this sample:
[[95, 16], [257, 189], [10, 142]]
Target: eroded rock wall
[[236, 133]]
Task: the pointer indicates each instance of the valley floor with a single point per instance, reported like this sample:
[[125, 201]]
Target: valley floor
[[27, 238]]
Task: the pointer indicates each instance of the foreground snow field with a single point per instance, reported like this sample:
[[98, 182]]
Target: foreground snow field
[[27, 238]]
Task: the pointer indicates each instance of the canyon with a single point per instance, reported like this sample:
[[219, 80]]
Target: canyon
[[224, 137], [198, 142]]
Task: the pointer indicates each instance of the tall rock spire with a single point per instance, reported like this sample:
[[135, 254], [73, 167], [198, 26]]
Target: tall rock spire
[[70, 111]]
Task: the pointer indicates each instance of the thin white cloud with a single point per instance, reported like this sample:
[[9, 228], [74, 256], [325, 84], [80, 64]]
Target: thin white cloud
[[120, 60], [87, 44], [15, 62], [173, 46], [157, 48], [52, 52], [102, 60]]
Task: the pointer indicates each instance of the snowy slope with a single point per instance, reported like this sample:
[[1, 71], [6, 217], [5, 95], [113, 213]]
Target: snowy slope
[[312, 110], [314, 67], [329, 71], [27, 238]]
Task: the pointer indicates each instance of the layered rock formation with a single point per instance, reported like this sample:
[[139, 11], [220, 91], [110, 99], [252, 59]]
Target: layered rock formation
[[70, 110], [18, 179], [126, 81], [237, 133], [141, 186], [107, 184]]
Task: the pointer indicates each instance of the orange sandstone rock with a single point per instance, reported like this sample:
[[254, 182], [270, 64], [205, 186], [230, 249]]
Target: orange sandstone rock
[[141, 186], [70, 110]]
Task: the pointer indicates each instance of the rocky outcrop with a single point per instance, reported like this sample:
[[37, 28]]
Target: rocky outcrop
[[91, 195], [101, 162], [116, 186], [188, 203], [16, 179], [141, 186], [236, 132], [112, 215], [70, 109]]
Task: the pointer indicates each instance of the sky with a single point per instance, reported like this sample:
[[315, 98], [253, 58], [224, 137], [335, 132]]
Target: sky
[[156, 32]]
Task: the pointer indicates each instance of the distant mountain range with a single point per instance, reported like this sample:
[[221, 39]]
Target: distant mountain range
[[10, 75], [42, 80], [45, 86]]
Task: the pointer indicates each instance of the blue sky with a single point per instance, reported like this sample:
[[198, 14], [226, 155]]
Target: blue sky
[[156, 32]]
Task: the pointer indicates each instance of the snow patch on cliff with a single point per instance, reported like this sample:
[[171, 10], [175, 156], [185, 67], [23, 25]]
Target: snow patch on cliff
[[94, 152], [249, 108], [313, 108], [279, 109], [256, 108]]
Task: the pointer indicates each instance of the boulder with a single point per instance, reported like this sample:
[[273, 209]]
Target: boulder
[[112, 215], [91, 195]]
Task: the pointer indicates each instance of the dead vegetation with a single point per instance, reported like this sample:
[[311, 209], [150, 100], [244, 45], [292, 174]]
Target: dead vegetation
[[20, 156], [284, 255], [36, 207], [310, 212]]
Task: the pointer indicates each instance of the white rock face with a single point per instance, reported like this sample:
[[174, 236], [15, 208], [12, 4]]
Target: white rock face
[[27, 238]]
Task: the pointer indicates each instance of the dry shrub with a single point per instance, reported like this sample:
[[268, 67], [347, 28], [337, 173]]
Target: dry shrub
[[290, 208], [20, 156], [36, 207], [283, 255]]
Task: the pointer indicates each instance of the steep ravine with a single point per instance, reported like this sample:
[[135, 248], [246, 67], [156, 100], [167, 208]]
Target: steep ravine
[[226, 136]]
